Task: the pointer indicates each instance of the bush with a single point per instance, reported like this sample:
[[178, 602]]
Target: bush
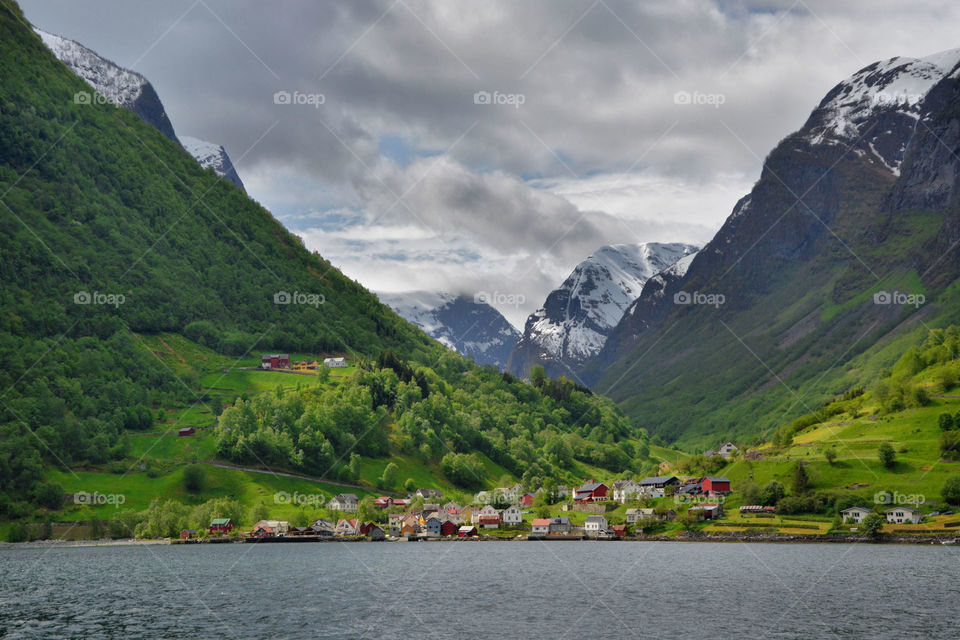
[[951, 491], [871, 525], [886, 455], [945, 422]]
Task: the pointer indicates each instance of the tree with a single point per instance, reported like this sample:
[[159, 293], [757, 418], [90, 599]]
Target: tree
[[688, 520], [390, 475], [945, 422], [538, 375], [801, 483], [951, 490], [831, 455], [886, 455], [410, 485], [871, 525], [194, 478], [772, 493]]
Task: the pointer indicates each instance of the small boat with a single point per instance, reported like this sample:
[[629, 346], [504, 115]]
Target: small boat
[[951, 542]]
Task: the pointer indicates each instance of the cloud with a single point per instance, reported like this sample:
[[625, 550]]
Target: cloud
[[590, 146]]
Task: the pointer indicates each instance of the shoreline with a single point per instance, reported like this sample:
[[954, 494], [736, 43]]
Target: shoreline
[[769, 539]]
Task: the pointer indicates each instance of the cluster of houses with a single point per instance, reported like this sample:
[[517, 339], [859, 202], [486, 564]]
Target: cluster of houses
[[661, 486], [894, 515], [282, 361]]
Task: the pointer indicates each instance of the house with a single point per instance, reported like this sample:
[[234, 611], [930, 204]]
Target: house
[[395, 522], [757, 508], [619, 530], [590, 492], [541, 526], [487, 510], [560, 493], [401, 502], [347, 527], [657, 487], [188, 534], [633, 516], [595, 524], [383, 502], [511, 516], [715, 486], [452, 507], [624, 490], [527, 499], [560, 525], [270, 529], [299, 531], [344, 502], [449, 528], [709, 510], [727, 449], [186, 432], [431, 507], [856, 514], [432, 526], [221, 526], [335, 363], [323, 528], [489, 522], [904, 515], [408, 530], [467, 531], [275, 361], [375, 533], [428, 493]]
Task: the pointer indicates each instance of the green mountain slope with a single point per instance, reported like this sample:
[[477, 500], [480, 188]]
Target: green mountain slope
[[133, 283]]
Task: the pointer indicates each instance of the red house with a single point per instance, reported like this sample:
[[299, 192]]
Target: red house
[[383, 502], [619, 530], [467, 531], [275, 361], [527, 499], [715, 486], [188, 534], [591, 492], [185, 432], [221, 526], [448, 528]]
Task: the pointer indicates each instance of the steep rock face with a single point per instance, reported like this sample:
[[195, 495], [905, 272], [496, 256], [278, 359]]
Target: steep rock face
[[576, 318], [122, 87], [212, 156], [469, 327], [863, 198]]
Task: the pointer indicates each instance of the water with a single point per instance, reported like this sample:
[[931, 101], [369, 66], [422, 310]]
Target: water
[[481, 590]]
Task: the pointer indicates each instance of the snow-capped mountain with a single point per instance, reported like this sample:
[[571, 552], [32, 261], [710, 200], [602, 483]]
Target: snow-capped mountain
[[467, 326], [210, 155], [131, 90], [122, 87], [577, 317]]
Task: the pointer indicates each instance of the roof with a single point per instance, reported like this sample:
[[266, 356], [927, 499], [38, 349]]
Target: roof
[[856, 509], [717, 479], [541, 522], [467, 527], [590, 486], [911, 509], [219, 521], [657, 480], [597, 519], [346, 496]]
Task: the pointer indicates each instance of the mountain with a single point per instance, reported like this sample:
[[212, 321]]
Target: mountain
[[130, 90], [212, 156], [576, 318], [467, 326], [841, 256], [138, 292]]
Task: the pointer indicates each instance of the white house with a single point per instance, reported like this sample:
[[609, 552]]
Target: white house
[[335, 363], [595, 524], [348, 527], [727, 449], [624, 490], [857, 514], [541, 526], [511, 516], [344, 502], [904, 515], [657, 487], [488, 510]]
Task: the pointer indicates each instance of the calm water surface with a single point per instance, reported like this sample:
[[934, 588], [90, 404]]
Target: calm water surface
[[482, 590]]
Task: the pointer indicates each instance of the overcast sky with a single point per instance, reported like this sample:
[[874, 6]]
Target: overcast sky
[[408, 177]]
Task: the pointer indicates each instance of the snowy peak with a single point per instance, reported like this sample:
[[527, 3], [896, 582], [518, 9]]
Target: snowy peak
[[122, 87], [210, 155], [577, 317], [879, 106], [469, 327]]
